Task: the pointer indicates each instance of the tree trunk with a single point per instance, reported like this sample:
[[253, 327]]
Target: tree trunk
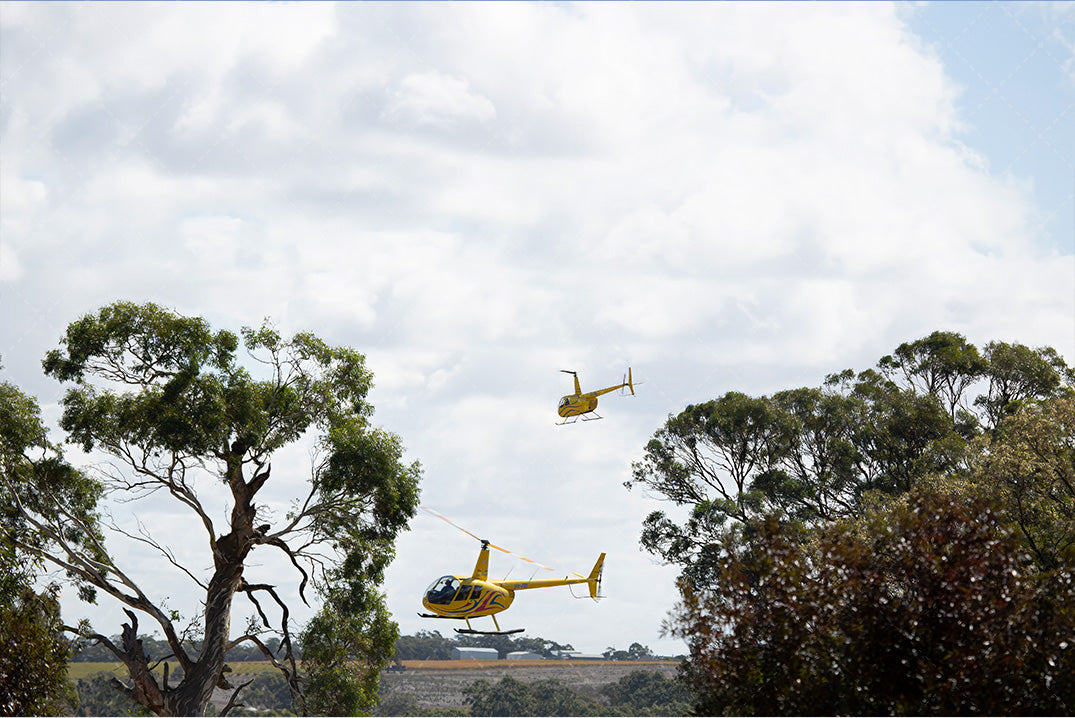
[[191, 696]]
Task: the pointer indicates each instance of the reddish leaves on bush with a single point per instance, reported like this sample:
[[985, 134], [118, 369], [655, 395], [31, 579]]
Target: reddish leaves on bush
[[930, 610]]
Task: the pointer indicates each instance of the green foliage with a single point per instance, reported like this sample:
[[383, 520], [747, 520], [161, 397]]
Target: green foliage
[[646, 693], [33, 655], [635, 652], [344, 653], [34, 477], [814, 455], [36, 480], [1028, 465], [886, 543], [425, 646], [173, 403], [640, 693], [930, 610], [352, 637], [942, 364], [1017, 373]]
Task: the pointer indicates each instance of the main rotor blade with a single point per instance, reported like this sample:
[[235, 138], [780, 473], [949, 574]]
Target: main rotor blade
[[447, 520]]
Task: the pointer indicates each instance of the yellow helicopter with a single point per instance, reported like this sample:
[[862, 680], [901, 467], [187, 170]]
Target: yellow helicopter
[[574, 406], [474, 596]]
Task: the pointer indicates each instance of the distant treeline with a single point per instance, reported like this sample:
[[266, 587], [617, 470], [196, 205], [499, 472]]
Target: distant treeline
[[422, 646], [431, 646]]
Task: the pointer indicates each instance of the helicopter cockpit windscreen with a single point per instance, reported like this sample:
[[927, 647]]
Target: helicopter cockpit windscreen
[[442, 591], [564, 402]]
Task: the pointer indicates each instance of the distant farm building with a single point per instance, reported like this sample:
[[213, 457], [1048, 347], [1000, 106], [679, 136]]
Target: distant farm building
[[524, 656], [475, 654], [578, 656]]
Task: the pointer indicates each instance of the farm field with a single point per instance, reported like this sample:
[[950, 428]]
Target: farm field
[[85, 669], [440, 684]]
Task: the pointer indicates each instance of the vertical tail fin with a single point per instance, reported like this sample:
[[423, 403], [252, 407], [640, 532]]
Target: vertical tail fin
[[630, 382], [594, 579]]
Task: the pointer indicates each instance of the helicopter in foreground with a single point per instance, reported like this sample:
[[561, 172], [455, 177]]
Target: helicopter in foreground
[[574, 406], [475, 596]]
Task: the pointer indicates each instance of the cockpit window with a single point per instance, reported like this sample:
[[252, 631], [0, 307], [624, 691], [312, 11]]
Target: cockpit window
[[565, 401], [443, 590]]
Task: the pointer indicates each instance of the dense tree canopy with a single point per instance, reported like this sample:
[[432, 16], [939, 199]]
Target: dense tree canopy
[[930, 608], [178, 409], [898, 540], [812, 454], [1028, 466]]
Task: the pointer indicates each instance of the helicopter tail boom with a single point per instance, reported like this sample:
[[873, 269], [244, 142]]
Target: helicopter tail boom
[[593, 581]]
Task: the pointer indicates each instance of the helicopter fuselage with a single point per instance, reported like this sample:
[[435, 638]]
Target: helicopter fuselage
[[465, 597], [576, 404]]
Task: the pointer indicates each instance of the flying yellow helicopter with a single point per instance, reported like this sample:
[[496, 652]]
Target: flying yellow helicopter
[[467, 597], [577, 405]]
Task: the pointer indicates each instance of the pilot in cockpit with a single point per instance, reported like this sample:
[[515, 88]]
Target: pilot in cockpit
[[443, 590]]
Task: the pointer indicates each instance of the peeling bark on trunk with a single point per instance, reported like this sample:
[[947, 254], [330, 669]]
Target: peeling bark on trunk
[[192, 695]]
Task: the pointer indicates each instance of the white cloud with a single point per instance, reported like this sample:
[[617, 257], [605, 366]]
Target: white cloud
[[724, 195], [432, 98], [10, 267]]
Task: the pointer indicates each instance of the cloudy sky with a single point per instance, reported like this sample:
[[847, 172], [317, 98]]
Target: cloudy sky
[[721, 196]]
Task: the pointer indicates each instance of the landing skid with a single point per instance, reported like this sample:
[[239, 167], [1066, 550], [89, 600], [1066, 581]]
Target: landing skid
[[475, 632], [468, 631], [573, 419]]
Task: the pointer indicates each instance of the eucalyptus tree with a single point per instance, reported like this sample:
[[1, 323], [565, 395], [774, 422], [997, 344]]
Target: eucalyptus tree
[[707, 459], [34, 653], [812, 454], [180, 412], [1016, 373], [822, 531], [943, 364], [1029, 468], [808, 455]]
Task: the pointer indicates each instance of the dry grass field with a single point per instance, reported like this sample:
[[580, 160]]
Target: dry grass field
[[440, 684], [79, 670]]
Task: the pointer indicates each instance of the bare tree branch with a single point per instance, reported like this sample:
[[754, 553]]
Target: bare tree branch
[[95, 572], [147, 539], [231, 701], [294, 562], [291, 672]]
